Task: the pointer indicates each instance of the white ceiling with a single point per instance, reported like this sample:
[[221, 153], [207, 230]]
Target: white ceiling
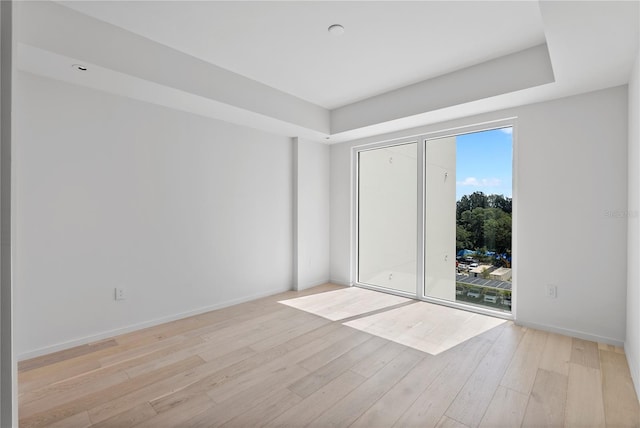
[[286, 45], [273, 65]]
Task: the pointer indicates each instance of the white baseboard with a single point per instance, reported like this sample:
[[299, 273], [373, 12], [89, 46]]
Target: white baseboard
[[572, 333], [339, 282], [139, 326], [311, 284]]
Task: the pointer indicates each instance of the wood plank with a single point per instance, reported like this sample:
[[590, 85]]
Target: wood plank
[[547, 400], [244, 375], [63, 355], [72, 385], [557, 354], [261, 394], [317, 403], [291, 294], [610, 348], [43, 376], [476, 395], [352, 338], [205, 377], [447, 422], [427, 327], [585, 353], [259, 326], [584, 397], [170, 384], [139, 351], [621, 407], [79, 420], [391, 406], [164, 357], [82, 373], [295, 329], [236, 317], [222, 382], [344, 303], [169, 401], [506, 409], [325, 374], [224, 346], [178, 415], [64, 392], [378, 360], [128, 418], [347, 410], [269, 409], [272, 376], [521, 373], [158, 333], [432, 403], [95, 380], [79, 365], [63, 411]]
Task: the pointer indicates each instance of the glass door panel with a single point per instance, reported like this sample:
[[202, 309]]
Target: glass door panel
[[468, 185], [440, 216], [387, 217], [484, 218]]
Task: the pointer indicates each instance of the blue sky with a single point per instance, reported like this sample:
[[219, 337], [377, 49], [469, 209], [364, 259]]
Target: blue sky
[[484, 162]]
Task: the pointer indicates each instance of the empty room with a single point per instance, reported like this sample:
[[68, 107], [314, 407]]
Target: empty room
[[319, 213]]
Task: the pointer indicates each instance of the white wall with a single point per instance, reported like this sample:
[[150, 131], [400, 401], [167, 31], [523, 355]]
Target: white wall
[[571, 181], [186, 213], [632, 342], [341, 184], [311, 223]]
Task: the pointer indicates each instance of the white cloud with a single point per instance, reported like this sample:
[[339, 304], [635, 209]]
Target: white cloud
[[469, 181], [508, 130], [483, 182]]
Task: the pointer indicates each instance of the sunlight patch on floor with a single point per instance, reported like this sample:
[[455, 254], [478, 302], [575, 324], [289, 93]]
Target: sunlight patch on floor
[[427, 327], [345, 303]]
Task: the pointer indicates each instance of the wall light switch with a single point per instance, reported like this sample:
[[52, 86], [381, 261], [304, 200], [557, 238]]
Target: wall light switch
[[119, 294]]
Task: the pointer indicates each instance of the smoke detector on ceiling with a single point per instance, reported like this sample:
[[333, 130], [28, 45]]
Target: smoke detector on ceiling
[[336, 29]]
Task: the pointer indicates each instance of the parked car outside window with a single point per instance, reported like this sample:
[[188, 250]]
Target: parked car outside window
[[491, 296]]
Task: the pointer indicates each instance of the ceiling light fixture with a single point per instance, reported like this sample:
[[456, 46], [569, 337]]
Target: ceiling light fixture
[[336, 29], [79, 67]]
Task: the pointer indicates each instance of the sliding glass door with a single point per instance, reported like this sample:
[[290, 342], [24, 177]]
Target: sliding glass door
[[434, 218]]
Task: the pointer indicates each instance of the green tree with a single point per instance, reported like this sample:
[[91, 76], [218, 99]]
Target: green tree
[[463, 239], [473, 221], [497, 230], [499, 201], [478, 200], [484, 222], [471, 202], [485, 274]]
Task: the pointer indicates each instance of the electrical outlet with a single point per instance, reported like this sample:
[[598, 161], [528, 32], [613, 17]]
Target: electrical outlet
[[119, 294], [552, 291]]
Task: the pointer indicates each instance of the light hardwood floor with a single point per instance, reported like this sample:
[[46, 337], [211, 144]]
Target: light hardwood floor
[[264, 363]]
